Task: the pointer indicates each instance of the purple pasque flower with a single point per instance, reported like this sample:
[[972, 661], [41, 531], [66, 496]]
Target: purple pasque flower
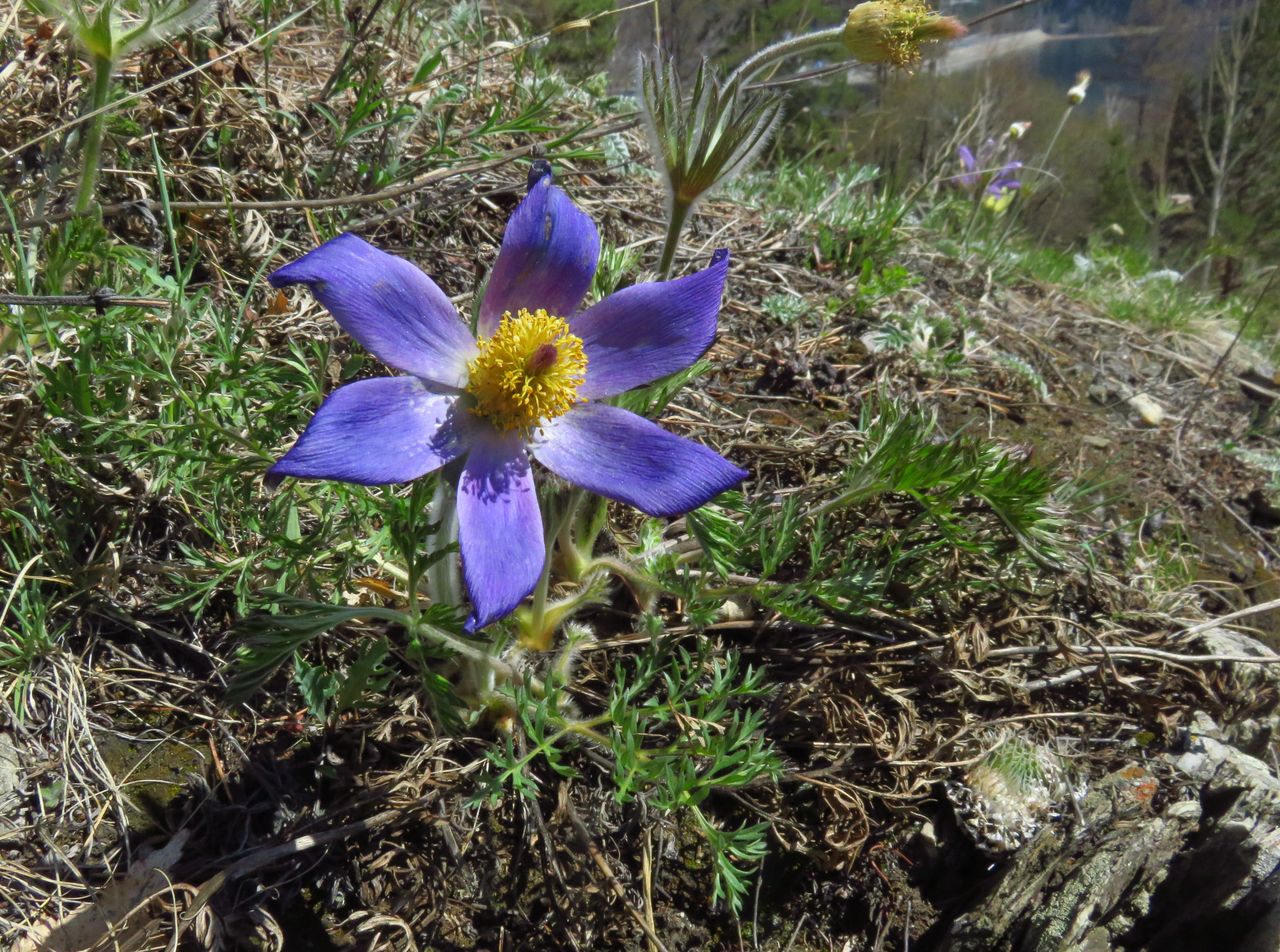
[[533, 383], [1003, 181], [977, 169], [969, 178]]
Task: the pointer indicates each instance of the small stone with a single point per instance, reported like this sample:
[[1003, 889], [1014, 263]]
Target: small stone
[[1101, 393], [10, 765], [1098, 940], [1245, 675], [1260, 384], [1150, 412]]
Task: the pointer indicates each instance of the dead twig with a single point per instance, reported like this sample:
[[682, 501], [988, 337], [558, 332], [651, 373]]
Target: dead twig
[[335, 201], [99, 300], [606, 870]]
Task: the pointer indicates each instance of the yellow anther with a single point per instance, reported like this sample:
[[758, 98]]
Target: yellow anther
[[528, 372], [891, 31]]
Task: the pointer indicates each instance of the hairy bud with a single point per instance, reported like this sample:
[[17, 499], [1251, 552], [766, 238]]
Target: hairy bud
[[891, 31], [1075, 95]]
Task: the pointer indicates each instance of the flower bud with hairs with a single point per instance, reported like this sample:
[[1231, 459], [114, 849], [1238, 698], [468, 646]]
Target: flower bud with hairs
[[891, 31], [1076, 94]]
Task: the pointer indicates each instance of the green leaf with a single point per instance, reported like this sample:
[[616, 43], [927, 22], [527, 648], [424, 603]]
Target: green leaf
[[268, 640], [651, 400], [317, 686], [366, 673]]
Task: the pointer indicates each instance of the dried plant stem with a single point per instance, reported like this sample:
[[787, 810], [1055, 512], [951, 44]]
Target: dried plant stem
[[1135, 653], [100, 299], [337, 201], [1000, 11], [1226, 354], [606, 871]]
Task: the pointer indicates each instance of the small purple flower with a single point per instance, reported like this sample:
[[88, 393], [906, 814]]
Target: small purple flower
[[1003, 181], [968, 179], [978, 168], [534, 384]]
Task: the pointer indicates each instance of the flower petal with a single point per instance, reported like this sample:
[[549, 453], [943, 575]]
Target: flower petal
[[388, 305], [385, 430], [618, 454], [499, 528], [647, 331], [548, 257]]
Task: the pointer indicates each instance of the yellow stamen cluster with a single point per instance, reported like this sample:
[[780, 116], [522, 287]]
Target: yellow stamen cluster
[[891, 31], [528, 372]]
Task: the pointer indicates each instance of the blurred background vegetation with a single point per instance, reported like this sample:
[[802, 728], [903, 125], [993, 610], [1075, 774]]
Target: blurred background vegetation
[[1173, 159]]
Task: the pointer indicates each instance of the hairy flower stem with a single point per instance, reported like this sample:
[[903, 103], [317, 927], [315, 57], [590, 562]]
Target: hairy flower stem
[[758, 61], [679, 215], [536, 632], [642, 587], [973, 218], [92, 155], [478, 657], [1048, 150], [1038, 168], [572, 558], [442, 574]]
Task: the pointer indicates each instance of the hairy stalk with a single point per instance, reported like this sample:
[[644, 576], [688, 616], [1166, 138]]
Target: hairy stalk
[[442, 574], [973, 218], [571, 558], [478, 656], [1048, 150], [640, 584], [1037, 169], [761, 59], [92, 156], [535, 634], [679, 214]]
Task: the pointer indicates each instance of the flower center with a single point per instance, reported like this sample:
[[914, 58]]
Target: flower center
[[528, 372]]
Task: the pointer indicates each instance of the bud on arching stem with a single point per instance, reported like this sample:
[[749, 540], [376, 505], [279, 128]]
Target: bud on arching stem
[[891, 31], [1076, 94]]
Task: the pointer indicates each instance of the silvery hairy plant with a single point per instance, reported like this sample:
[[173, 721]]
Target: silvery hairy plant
[[703, 141]]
